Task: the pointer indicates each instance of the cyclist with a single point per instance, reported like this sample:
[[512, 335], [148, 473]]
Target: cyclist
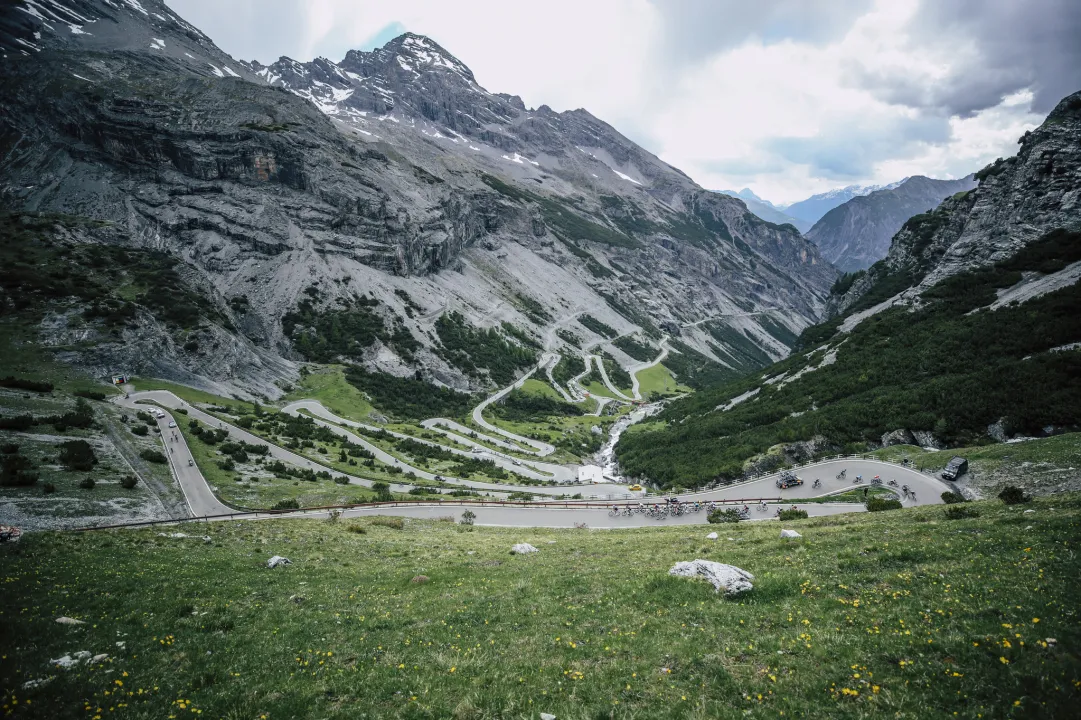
[[615, 509]]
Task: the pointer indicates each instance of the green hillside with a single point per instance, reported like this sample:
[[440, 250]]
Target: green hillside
[[949, 365], [902, 614]]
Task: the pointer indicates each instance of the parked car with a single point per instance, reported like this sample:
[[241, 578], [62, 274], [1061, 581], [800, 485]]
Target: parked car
[[957, 467]]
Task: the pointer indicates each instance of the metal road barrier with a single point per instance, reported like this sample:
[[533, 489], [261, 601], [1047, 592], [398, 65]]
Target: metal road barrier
[[265, 514]]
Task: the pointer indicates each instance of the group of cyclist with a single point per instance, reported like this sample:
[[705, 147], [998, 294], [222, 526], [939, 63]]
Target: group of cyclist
[[670, 506]]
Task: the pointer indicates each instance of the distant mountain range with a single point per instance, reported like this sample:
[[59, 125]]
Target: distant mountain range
[[813, 208], [856, 234], [767, 211]]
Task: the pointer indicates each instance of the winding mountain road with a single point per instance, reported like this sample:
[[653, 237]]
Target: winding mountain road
[[203, 502], [635, 369]]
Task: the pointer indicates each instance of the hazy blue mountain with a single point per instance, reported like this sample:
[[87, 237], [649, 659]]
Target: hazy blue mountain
[[766, 210]]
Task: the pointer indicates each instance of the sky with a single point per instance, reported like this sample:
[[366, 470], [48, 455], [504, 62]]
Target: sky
[[786, 97]]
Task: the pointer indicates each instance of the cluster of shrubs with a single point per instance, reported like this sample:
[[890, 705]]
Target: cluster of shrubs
[[81, 417], [877, 504], [16, 470]]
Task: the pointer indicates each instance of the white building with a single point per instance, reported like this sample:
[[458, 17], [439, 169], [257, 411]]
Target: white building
[[591, 474]]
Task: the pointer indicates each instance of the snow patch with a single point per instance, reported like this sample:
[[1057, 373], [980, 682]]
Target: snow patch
[[217, 72], [157, 44], [516, 158], [229, 71], [137, 6], [628, 178]]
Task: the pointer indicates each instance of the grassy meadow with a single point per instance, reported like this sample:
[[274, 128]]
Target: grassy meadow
[[897, 614]]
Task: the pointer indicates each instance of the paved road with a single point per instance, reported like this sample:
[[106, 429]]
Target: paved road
[[200, 498], [542, 448], [928, 489], [203, 502], [529, 468], [634, 370], [169, 400]]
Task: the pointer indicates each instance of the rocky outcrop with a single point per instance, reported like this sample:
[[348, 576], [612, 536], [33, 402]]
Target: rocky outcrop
[[898, 437], [855, 235], [1018, 200]]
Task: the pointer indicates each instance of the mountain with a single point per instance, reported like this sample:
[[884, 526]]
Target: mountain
[[767, 210], [856, 234], [968, 332], [202, 219], [813, 208]]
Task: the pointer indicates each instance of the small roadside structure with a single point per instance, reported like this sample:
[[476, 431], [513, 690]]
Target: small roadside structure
[[956, 467], [593, 474]]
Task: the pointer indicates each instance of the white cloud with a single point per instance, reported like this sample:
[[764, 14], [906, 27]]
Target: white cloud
[[865, 98]]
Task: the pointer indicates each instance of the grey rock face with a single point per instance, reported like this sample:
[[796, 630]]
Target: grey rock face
[[898, 437], [391, 174], [856, 234], [1018, 200]]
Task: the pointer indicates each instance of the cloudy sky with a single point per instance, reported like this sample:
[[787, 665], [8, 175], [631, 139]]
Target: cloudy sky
[[787, 97]]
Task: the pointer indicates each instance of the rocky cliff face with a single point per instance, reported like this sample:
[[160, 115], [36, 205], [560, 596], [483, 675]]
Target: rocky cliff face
[[1018, 200], [855, 235], [391, 175]]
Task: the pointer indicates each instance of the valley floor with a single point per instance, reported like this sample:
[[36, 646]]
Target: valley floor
[[903, 614]]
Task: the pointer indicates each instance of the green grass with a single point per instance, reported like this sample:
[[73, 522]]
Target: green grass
[[191, 395], [328, 386], [22, 355], [901, 614], [658, 380], [1036, 464]]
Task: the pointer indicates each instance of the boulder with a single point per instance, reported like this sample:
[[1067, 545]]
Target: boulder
[[278, 560], [927, 439], [997, 430], [64, 620], [898, 437], [730, 578], [419, 579], [522, 549], [711, 536], [790, 534], [547, 716]]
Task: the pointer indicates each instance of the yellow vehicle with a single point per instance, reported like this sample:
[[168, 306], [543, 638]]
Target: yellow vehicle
[[635, 488]]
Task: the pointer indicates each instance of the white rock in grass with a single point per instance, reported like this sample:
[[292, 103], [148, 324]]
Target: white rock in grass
[[711, 536], [547, 716], [64, 620], [790, 534], [523, 549], [175, 535], [732, 579], [31, 684], [99, 658], [278, 560]]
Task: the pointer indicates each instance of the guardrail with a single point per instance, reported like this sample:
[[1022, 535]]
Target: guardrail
[[265, 514]]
